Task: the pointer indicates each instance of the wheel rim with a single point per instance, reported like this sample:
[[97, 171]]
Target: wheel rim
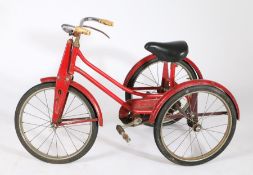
[[42, 137], [184, 142]]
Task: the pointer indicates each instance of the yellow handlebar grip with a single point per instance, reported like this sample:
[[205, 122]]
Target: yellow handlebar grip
[[106, 22], [81, 30]]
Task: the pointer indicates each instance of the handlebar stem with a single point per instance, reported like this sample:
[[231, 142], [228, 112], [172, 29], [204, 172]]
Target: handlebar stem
[[77, 41]]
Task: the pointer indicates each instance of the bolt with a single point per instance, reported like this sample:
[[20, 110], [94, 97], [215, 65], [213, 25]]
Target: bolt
[[197, 127]]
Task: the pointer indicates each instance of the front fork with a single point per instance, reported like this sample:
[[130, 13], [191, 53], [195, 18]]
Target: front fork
[[60, 98], [64, 78]]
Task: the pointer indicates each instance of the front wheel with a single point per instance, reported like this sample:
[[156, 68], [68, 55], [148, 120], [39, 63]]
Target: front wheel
[[47, 142], [206, 127]]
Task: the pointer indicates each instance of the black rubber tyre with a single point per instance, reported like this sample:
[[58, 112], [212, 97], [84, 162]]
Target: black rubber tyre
[[171, 101], [81, 152], [132, 80]]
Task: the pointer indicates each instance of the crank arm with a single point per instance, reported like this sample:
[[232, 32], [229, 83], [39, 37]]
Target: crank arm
[[135, 122]]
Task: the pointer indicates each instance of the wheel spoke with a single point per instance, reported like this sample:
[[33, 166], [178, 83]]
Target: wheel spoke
[[76, 137], [178, 72], [45, 140], [153, 76], [43, 104], [190, 145], [216, 126], [214, 131], [205, 139], [211, 105], [190, 139], [39, 133], [172, 132], [47, 104], [182, 141], [51, 143], [37, 126], [73, 109], [211, 115], [157, 72], [198, 143], [212, 135], [70, 138], [69, 105], [56, 145], [181, 77], [149, 78], [206, 105], [32, 115], [39, 110], [177, 138], [60, 143]]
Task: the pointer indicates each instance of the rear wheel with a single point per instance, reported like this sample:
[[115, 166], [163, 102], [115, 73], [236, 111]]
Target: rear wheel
[[206, 127], [149, 75], [47, 142]]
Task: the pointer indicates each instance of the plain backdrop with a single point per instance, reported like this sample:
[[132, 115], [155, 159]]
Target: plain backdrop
[[219, 35]]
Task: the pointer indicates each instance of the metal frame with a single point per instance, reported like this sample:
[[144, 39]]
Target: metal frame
[[148, 104]]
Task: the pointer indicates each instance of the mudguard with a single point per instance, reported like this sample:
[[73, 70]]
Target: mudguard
[[136, 67], [194, 66], [85, 92], [187, 84], [152, 57]]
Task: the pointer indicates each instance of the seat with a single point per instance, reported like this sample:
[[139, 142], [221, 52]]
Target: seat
[[170, 51]]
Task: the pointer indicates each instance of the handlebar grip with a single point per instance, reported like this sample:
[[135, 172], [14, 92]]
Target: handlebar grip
[[105, 22], [81, 30]]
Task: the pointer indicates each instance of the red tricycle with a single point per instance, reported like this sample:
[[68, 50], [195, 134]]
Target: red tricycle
[[193, 119]]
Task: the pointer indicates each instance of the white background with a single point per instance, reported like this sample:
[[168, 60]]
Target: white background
[[219, 35]]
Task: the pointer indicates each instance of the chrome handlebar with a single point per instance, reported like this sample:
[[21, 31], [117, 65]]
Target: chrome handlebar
[[82, 29], [100, 20]]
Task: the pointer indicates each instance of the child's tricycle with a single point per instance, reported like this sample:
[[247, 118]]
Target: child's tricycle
[[193, 119]]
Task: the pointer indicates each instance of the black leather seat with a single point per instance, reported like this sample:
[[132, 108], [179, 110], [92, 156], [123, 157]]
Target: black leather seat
[[171, 51]]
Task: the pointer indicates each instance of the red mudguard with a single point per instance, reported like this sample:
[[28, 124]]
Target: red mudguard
[[187, 84], [85, 92], [151, 57]]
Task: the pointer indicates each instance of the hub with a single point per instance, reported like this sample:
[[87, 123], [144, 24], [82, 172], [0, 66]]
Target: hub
[[197, 127]]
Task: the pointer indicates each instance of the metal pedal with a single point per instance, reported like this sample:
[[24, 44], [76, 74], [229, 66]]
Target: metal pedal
[[122, 132]]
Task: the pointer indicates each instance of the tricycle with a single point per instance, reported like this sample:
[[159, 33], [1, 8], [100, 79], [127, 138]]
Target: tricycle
[[193, 119]]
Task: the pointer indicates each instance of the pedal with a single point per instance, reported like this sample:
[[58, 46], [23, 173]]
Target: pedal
[[122, 132]]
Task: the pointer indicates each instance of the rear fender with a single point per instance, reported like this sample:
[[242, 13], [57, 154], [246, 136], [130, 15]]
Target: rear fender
[[187, 84], [137, 66], [152, 57], [85, 92], [195, 67]]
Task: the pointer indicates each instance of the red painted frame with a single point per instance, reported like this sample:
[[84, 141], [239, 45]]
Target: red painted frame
[[148, 104], [65, 76]]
